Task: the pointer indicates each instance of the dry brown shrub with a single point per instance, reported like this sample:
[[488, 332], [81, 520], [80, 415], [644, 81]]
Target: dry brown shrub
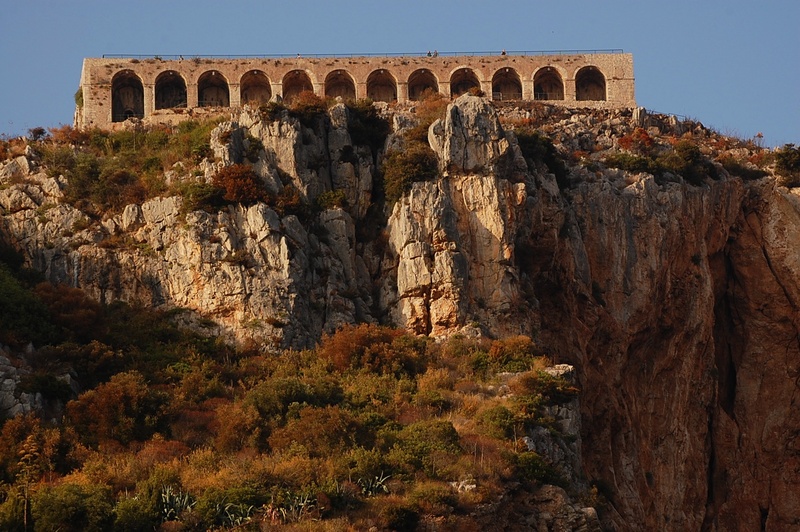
[[241, 184]]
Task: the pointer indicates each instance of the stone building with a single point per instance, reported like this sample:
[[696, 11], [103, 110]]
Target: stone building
[[113, 89]]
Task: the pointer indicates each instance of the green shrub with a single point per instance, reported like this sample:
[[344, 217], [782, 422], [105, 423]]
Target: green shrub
[[736, 168], [686, 160], [787, 165], [134, 514], [331, 199], [417, 162], [425, 445], [497, 422], [366, 126], [530, 465], [399, 517], [632, 163], [23, 316], [72, 507], [201, 196], [538, 149]]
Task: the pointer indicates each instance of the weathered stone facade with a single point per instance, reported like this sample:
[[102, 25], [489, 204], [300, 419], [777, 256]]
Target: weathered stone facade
[[115, 89]]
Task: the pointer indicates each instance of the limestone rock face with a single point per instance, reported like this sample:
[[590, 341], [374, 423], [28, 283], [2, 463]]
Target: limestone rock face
[[471, 139], [678, 306]]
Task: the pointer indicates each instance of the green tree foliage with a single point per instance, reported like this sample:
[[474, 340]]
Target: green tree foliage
[[416, 162], [72, 508]]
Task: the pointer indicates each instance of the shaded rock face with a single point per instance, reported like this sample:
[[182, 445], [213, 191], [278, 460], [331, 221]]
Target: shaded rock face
[[677, 305]]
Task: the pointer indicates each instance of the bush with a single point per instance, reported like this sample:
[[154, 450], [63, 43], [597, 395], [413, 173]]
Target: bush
[[736, 168], [241, 184], [425, 445], [366, 126], [638, 141], [374, 348], [787, 165], [72, 507], [538, 149], [308, 108], [331, 199], [531, 466], [417, 162], [686, 160], [123, 410], [430, 108], [633, 163]]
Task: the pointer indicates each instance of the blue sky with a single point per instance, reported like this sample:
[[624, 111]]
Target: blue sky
[[733, 65]]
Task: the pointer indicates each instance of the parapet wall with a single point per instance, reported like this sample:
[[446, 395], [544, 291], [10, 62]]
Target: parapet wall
[[115, 89]]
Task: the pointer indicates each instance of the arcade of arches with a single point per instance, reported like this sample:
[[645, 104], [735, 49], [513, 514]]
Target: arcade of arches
[[116, 89], [255, 87]]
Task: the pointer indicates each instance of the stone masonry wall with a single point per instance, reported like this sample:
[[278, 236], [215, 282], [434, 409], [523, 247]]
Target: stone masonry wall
[[109, 84]]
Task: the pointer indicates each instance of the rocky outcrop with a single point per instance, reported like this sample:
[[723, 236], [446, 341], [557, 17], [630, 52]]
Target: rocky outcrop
[[677, 305]]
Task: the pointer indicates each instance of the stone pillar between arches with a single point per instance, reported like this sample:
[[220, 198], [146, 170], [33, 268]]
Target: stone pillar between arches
[[149, 99], [191, 95]]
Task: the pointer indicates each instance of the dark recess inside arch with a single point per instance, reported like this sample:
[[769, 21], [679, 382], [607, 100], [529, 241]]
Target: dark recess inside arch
[[127, 96], [381, 86], [255, 88], [462, 81], [590, 84], [294, 83], [212, 90], [170, 90], [506, 85], [547, 85], [421, 83], [339, 84]]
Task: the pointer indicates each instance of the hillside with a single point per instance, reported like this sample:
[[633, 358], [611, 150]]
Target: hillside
[[222, 267]]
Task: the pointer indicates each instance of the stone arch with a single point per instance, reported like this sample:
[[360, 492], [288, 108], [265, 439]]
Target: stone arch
[[548, 84], [339, 83], [170, 90], [506, 85], [255, 88], [127, 96], [590, 84], [462, 80], [212, 90], [381, 86], [421, 82], [295, 82]]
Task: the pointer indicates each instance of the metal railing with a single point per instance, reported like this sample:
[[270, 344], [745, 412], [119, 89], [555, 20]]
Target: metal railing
[[174, 57]]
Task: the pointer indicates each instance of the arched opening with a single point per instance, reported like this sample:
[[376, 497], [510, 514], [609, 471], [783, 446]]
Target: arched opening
[[255, 88], [294, 83], [462, 81], [170, 90], [381, 86], [547, 85], [127, 96], [421, 83], [590, 84], [340, 84], [212, 90], [506, 85]]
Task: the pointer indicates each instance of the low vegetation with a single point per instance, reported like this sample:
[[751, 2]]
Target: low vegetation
[[369, 429]]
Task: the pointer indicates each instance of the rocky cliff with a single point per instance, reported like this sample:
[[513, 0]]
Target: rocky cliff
[[676, 302]]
